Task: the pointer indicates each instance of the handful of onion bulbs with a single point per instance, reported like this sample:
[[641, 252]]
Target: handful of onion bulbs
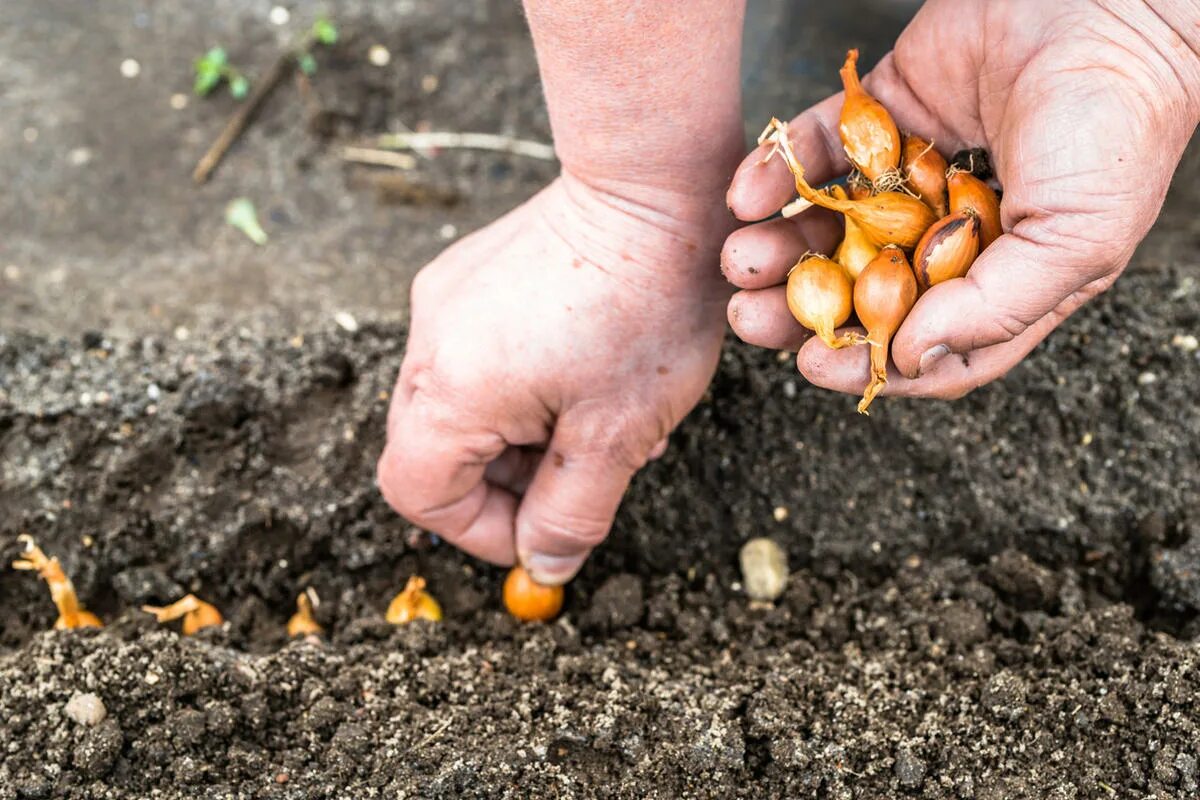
[[902, 198]]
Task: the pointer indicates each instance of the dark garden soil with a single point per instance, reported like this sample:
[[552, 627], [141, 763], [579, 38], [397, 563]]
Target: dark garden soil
[[994, 599]]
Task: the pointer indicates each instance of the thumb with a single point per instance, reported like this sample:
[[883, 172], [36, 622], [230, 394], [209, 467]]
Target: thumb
[[570, 504], [1013, 284]]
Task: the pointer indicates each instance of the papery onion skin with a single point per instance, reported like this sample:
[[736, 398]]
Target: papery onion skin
[[947, 249]]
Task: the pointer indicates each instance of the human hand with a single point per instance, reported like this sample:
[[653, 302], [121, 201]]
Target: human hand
[[549, 356], [1086, 111]]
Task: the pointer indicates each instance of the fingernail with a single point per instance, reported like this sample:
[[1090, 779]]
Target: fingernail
[[552, 570], [930, 358]]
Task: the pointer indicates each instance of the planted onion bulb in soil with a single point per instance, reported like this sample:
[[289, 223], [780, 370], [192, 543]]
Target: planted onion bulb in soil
[[885, 217], [528, 600], [924, 171], [820, 296], [197, 614], [413, 603], [304, 621], [883, 296], [70, 613], [855, 250], [947, 249], [968, 192], [869, 134]]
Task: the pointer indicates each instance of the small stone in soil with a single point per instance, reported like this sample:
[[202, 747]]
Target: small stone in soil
[[86, 709], [764, 569]]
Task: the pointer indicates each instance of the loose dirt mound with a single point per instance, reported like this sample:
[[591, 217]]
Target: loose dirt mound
[[992, 599]]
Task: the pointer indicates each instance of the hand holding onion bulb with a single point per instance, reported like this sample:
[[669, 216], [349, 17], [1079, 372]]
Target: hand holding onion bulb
[[900, 197]]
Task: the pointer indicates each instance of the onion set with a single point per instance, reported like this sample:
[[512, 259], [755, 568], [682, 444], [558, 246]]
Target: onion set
[[900, 198]]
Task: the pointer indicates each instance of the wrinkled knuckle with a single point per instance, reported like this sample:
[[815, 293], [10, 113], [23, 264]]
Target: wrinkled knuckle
[[572, 530]]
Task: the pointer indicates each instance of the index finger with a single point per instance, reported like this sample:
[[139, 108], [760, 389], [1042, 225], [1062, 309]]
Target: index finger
[[432, 473], [760, 188]]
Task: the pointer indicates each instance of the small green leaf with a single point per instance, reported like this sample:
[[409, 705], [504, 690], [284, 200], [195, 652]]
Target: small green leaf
[[207, 78], [307, 64], [216, 57], [324, 31], [240, 213], [239, 87]]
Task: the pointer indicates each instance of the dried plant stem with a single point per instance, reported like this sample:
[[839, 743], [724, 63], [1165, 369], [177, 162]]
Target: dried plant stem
[[381, 158], [464, 141], [244, 115]]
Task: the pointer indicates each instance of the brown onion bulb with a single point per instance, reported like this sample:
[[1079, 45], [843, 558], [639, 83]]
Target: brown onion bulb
[[820, 296], [883, 295], [869, 134], [947, 249], [885, 218], [925, 170], [855, 250], [967, 191]]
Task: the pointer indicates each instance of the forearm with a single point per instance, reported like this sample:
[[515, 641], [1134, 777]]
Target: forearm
[[644, 96]]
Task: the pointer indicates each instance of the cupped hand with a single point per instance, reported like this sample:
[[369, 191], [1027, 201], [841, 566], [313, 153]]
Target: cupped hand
[[549, 356], [1086, 108]]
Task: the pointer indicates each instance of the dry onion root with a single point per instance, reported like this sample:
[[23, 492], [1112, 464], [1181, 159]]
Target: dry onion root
[[883, 296]]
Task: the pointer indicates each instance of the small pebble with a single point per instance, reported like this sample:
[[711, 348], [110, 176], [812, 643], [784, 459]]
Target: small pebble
[[909, 769], [182, 333], [1087, 439], [30, 135], [448, 231], [86, 709], [429, 83], [279, 15], [780, 513], [1147, 378], [12, 272], [346, 321], [79, 156], [179, 101], [130, 68], [1186, 342], [764, 569], [379, 55]]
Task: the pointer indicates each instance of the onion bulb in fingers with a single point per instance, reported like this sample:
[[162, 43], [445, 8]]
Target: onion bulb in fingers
[[883, 295], [967, 191], [856, 250], [885, 217], [819, 295], [869, 134], [925, 171], [947, 249]]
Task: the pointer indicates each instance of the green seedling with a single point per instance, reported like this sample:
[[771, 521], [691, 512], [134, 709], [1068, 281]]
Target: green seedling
[[322, 32], [214, 67], [241, 214]]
